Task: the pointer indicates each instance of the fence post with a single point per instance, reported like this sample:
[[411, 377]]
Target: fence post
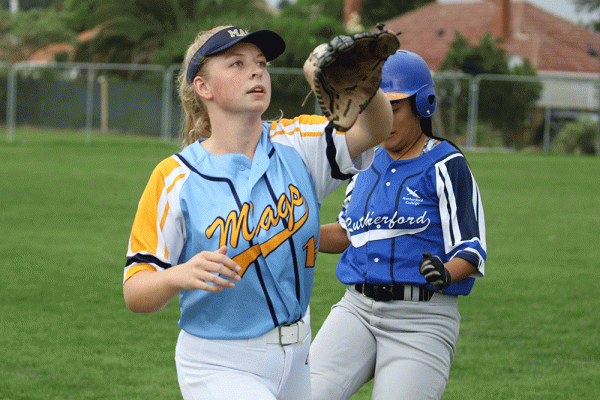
[[11, 103], [165, 120], [547, 122], [103, 81], [453, 111], [167, 102], [473, 110], [89, 104], [598, 122]]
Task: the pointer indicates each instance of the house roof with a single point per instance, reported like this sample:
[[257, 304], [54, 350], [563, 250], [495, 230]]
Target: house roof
[[549, 42]]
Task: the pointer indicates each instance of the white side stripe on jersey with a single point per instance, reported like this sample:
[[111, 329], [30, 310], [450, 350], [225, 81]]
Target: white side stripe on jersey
[[448, 208], [446, 205], [346, 202], [362, 239]]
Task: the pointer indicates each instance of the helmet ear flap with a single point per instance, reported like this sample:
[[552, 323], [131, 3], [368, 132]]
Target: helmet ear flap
[[426, 102]]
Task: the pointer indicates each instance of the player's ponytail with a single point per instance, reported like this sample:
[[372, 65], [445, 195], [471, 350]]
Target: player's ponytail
[[196, 123], [427, 126]]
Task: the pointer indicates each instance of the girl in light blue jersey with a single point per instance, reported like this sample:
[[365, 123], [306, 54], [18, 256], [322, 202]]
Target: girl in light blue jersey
[[412, 233], [230, 224]]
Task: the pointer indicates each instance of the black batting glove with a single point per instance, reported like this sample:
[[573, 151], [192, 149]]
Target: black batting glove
[[432, 268]]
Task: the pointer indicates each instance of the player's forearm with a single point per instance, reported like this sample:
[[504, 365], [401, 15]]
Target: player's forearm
[[333, 239], [149, 291], [379, 117], [460, 269], [372, 127]]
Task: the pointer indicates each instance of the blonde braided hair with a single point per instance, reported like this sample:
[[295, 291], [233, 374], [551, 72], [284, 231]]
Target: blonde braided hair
[[196, 123]]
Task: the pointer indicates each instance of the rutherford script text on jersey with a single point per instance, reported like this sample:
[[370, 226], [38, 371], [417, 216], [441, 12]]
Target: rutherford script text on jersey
[[393, 227], [368, 220]]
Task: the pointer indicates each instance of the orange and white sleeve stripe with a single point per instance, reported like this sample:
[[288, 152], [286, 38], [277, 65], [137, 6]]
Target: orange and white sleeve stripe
[[158, 230]]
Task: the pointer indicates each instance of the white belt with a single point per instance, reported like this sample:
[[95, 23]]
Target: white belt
[[288, 334]]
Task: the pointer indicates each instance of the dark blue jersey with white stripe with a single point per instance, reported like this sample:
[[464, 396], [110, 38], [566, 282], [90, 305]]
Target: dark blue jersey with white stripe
[[396, 210]]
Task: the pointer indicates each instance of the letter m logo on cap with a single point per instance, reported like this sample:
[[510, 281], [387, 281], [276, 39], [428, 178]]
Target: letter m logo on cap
[[237, 32]]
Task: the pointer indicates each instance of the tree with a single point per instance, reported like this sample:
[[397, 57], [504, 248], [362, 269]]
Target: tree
[[373, 11], [303, 28], [503, 105], [153, 30], [26, 5], [25, 32], [587, 5]]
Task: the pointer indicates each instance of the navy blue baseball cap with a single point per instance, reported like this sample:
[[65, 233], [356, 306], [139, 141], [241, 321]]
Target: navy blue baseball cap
[[269, 42]]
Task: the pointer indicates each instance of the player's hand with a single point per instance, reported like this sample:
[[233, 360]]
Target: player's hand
[[432, 268], [208, 271]]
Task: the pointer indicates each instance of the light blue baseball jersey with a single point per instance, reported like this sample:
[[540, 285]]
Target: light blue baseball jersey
[[396, 210], [266, 211]]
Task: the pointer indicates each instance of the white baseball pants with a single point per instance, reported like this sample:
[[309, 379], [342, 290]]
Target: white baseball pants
[[406, 346], [246, 369]]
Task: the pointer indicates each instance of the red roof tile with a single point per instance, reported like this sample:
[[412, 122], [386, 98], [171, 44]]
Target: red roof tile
[[549, 42]]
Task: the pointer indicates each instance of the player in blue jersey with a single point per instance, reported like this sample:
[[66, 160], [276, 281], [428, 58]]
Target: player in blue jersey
[[412, 233], [230, 224]]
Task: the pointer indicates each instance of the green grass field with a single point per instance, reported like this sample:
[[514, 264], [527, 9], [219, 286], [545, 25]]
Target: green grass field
[[530, 329]]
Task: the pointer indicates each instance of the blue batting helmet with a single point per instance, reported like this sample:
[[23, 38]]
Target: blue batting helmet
[[406, 74]]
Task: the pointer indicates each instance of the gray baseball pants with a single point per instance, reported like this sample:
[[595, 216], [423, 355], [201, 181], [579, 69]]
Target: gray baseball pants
[[407, 347]]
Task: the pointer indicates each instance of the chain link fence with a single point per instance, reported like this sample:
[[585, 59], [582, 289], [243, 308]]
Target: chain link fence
[[482, 111], [513, 112]]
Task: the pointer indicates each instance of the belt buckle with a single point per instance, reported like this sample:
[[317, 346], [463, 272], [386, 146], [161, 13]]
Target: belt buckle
[[385, 292], [289, 335], [387, 289], [379, 292]]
